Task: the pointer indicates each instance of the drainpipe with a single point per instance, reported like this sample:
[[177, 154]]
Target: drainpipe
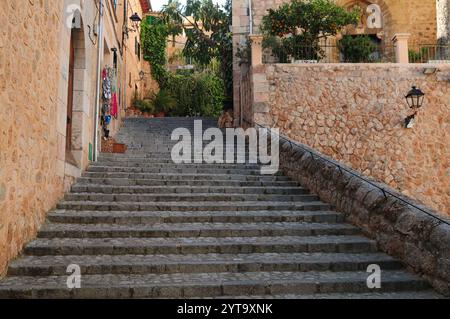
[[99, 80]]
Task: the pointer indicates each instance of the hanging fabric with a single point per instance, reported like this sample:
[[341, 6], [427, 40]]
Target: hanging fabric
[[114, 105]]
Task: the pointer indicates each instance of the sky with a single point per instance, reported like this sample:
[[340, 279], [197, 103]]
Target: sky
[[157, 4]]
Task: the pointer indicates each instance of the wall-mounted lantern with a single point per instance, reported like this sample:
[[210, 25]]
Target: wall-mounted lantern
[[135, 21], [414, 98]]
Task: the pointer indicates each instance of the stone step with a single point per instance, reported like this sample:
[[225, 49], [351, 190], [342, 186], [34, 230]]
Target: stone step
[[400, 295], [236, 182], [57, 230], [203, 245], [189, 197], [142, 217], [192, 206], [173, 170], [109, 189], [191, 176], [105, 158], [205, 284], [169, 164], [198, 263], [149, 154]]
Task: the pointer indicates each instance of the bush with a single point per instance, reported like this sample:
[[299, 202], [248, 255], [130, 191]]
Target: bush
[[197, 94], [144, 106], [356, 49], [163, 102]]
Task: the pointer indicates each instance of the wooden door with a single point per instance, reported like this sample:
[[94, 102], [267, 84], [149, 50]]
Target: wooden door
[[70, 96]]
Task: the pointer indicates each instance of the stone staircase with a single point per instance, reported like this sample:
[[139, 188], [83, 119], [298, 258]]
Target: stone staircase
[[140, 226]]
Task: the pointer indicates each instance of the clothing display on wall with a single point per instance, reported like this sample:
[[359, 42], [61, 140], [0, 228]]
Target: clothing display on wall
[[109, 99]]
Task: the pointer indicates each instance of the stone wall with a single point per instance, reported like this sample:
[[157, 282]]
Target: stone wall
[[29, 66], [35, 166], [355, 114], [420, 241]]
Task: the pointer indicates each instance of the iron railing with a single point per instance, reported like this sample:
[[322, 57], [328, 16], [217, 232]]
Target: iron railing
[[342, 168], [429, 53], [330, 52]]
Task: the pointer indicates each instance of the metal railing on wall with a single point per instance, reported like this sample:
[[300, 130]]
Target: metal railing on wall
[[341, 168], [330, 52], [429, 53]]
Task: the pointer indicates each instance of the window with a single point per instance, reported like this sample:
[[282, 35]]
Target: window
[[137, 48]]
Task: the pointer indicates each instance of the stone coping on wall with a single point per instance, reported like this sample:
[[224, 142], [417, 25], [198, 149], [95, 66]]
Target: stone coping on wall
[[374, 65], [420, 241]]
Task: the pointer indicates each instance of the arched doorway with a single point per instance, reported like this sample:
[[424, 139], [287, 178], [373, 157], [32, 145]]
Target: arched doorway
[[75, 95]]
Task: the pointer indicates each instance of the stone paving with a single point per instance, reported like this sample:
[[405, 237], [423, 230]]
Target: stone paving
[[139, 226]]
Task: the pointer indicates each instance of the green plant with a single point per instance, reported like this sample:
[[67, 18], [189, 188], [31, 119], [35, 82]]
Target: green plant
[[301, 24], [163, 102], [197, 94], [420, 56], [356, 49], [154, 35], [144, 106], [206, 26]]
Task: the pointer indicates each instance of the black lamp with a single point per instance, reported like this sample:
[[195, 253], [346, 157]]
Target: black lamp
[[414, 98], [135, 20]]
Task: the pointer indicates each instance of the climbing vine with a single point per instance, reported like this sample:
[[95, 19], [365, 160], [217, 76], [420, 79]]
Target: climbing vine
[[154, 43]]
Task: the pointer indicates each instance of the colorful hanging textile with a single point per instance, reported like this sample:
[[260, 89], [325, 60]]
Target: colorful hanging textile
[[114, 105]]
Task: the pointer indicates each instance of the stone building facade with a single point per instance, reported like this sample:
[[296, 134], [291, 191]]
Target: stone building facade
[[48, 62]]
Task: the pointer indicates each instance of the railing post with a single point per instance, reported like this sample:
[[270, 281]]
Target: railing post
[[400, 41], [256, 41]]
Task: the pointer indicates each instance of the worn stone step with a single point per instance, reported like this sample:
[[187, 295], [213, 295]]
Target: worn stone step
[[203, 245], [147, 158], [192, 206], [188, 176], [142, 217], [55, 230], [147, 164], [182, 174], [139, 151], [205, 284], [199, 263], [245, 182], [189, 197], [109, 189], [176, 170], [374, 294]]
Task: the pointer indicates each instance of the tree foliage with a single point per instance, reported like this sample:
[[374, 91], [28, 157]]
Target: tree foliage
[[299, 26], [356, 49], [206, 26], [197, 94]]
